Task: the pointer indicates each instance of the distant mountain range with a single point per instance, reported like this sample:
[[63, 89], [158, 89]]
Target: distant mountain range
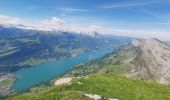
[[24, 48]]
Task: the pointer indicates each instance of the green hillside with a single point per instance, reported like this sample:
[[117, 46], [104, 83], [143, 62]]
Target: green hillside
[[105, 85], [114, 62]]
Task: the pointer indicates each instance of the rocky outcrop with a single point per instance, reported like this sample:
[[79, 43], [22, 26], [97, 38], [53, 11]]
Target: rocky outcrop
[[63, 81], [151, 59]]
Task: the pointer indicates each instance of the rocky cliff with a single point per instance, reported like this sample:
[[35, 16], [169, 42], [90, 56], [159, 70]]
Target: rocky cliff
[[151, 59]]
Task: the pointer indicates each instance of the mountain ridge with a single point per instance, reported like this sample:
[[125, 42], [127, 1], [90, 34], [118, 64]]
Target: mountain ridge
[[147, 59], [151, 59]]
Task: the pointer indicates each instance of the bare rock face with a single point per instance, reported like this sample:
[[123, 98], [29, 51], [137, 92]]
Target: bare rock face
[[152, 60]]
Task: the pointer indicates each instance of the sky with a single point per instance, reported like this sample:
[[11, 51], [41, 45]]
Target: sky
[[135, 18]]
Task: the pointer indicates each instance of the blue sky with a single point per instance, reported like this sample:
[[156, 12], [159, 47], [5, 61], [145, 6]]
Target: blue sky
[[139, 18]]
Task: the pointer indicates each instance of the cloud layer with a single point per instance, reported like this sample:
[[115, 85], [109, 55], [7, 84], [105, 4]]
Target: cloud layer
[[11, 21], [57, 24], [134, 3], [72, 10]]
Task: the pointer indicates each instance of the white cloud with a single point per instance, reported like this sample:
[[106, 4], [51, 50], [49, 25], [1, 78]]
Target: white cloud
[[159, 16], [123, 5], [54, 22], [48, 24], [13, 21], [134, 3], [72, 10], [163, 35], [59, 25]]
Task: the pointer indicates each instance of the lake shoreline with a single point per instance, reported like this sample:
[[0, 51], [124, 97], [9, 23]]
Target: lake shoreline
[[66, 64]]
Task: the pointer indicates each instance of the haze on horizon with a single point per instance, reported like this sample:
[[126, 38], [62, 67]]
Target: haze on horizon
[[135, 18]]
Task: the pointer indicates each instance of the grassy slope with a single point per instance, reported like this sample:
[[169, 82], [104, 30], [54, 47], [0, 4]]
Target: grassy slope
[[107, 85], [113, 62]]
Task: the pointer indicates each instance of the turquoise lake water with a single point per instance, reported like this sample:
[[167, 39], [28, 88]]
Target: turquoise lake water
[[29, 77]]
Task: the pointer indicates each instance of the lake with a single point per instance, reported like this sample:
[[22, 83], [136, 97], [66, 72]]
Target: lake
[[29, 77]]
